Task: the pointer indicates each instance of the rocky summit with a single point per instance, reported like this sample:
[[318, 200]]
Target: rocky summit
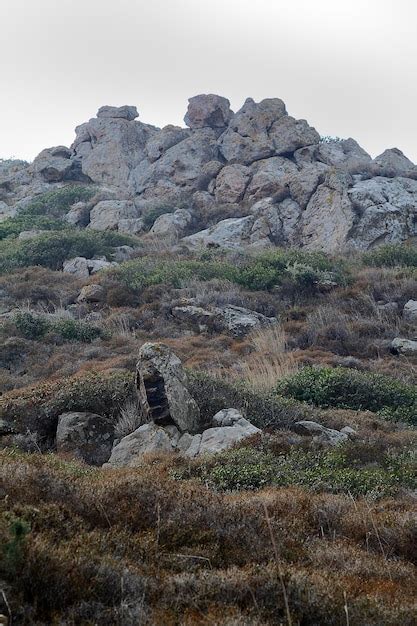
[[255, 178]]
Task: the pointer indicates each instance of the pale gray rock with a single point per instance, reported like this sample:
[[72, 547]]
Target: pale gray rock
[[77, 266], [86, 436], [349, 431], [230, 233], [91, 293], [6, 211], [342, 153], [327, 221], [123, 253], [408, 347], [275, 223], [147, 439], [385, 209], [131, 226], [231, 183], [31, 234], [289, 134], [320, 433], [172, 226], [219, 438], [96, 265], [394, 163], [125, 112], [162, 389], [410, 311], [53, 164], [107, 214], [161, 141], [271, 177], [208, 110], [78, 215], [246, 139], [304, 182], [196, 316]]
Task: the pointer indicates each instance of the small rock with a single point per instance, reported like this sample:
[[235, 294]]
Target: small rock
[[408, 347], [77, 266], [91, 293], [320, 433], [208, 110], [410, 311], [123, 253]]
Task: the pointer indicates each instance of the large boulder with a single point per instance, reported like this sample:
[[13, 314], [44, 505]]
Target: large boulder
[[124, 112], [162, 389], [165, 139], [208, 110], [407, 347], [53, 164], [385, 210], [147, 439], [107, 214], [271, 177], [172, 226], [393, 162], [86, 436], [410, 311], [91, 294], [230, 233], [321, 433], [342, 153], [231, 183]]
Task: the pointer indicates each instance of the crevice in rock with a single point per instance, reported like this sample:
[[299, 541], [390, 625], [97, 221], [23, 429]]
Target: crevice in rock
[[157, 400]]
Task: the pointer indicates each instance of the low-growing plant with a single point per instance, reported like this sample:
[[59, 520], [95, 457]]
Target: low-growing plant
[[56, 203], [392, 255], [52, 249], [34, 326], [150, 214], [349, 388], [12, 226]]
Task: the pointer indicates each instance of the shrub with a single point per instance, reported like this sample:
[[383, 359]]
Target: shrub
[[330, 470], [56, 203], [394, 255], [12, 226], [32, 326], [348, 388], [52, 249]]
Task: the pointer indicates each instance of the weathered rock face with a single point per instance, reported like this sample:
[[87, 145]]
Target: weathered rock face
[[208, 110], [325, 194], [162, 389], [82, 267], [87, 436], [146, 439]]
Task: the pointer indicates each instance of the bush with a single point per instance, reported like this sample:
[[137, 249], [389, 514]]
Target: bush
[[37, 408], [56, 203], [32, 326], [349, 389], [395, 255], [330, 470], [12, 226], [52, 249]]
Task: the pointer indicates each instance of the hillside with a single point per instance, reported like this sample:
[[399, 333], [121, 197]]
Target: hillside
[[208, 375]]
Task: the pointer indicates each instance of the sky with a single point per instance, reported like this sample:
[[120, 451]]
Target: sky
[[348, 67]]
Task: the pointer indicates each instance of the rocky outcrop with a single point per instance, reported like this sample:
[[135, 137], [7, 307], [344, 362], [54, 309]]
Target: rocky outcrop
[[82, 268], [85, 436], [326, 194], [234, 320], [320, 433], [91, 294], [162, 389]]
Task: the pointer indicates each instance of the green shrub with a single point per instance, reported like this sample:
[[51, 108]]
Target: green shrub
[[348, 388], [394, 255], [37, 408], [52, 249], [32, 326], [56, 203], [330, 470], [265, 410], [12, 226]]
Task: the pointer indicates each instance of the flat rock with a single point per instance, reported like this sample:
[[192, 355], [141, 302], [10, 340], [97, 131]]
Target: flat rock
[[146, 439]]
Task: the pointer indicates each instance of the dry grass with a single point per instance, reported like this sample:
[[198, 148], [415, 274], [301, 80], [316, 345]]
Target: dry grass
[[270, 360]]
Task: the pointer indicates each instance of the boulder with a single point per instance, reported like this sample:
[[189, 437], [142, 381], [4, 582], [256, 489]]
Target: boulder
[[289, 134], [230, 233], [165, 139], [385, 210], [124, 112], [146, 439], [270, 177], [53, 164], [407, 347], [91, 294], [31, 234], [394, 163], [320, 433], [172, 226], [87, 436], [107, 214], [410, 311], [342, 153], [231, 183], [162, 389], [77, 266], [247, 137], [208, 110], [78, 215], [123, 253]]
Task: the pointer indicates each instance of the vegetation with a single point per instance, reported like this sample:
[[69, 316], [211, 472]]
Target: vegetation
[[33, 326], [12, 226], [52, 249], [394, 255], [56, 203], [351, 389]]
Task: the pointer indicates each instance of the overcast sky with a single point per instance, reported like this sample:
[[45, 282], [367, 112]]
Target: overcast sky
[[349, 67]]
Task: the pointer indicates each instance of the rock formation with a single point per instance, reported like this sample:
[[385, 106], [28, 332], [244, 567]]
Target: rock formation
[[275, 180]]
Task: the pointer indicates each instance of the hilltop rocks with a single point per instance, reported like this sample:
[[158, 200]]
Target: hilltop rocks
[[124, 112], [208, 110], [54, 164], [162, 389], [86, 436]]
